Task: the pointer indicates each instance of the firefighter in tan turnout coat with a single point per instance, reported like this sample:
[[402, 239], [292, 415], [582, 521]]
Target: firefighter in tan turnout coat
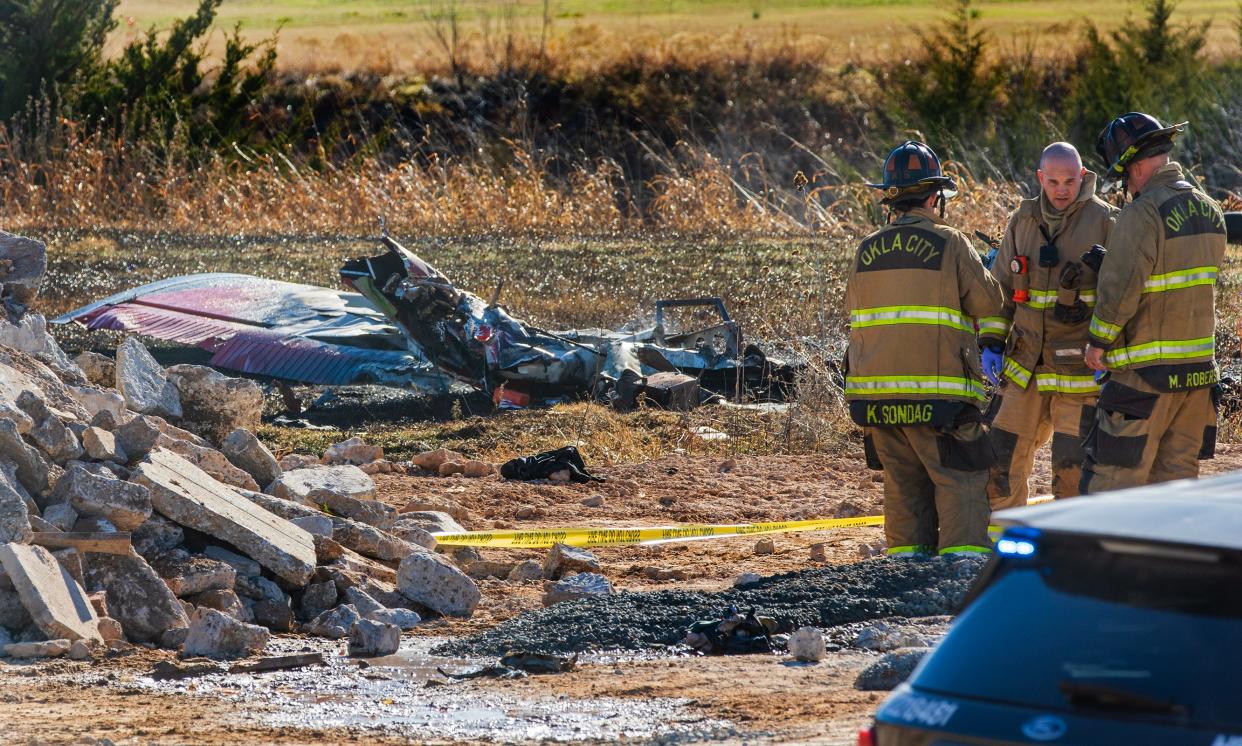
[[1154, 325], [1034, 347], [913, 378]]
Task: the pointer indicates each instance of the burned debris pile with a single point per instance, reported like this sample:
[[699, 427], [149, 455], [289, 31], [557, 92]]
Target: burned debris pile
[[407, 325]]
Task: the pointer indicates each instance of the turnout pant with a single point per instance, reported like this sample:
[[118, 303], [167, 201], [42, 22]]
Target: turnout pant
[[1144, 438], [1025, 419], [935, 482]]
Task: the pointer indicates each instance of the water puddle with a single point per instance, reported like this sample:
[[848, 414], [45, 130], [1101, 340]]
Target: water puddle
[[405, 695]]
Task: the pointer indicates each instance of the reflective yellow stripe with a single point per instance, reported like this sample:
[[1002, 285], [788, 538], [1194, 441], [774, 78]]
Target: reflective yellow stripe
[[1017, 373], [965, 548], [1177, 349], [889, 315], [911, 549], [1185, 278], [995, 325], [1102, 329], [888, 385], [1066, 384], [1044, 299]]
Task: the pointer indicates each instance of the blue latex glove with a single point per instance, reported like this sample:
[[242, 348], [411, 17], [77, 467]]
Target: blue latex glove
[[993, 363]]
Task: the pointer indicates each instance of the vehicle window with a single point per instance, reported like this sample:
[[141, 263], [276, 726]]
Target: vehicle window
[[1057, 631]]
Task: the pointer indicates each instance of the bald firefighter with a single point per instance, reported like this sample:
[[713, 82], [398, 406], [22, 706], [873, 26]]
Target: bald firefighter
[[1033, 349], [1154, 325], [913, 379]]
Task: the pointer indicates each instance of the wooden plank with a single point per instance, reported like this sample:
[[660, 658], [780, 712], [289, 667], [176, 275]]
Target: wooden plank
[[113, 542]]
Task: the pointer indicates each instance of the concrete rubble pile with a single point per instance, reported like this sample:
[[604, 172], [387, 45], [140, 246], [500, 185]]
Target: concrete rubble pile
[[138, 508]]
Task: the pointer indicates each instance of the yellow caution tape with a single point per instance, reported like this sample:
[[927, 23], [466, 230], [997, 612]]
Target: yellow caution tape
[[601, 537]]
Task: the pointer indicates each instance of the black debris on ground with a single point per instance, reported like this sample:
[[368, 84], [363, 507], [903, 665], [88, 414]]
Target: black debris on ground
[[823, 597]]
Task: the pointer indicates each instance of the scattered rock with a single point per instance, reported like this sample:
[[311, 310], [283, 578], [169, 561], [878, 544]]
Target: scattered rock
[[882, 637], [275, 615], [49, 433], [259, 588], [869, 549], [137, 436], [156, 535], [138, 598], [659, 573], [403, 618], [97, 401], [25, 263], [142, 382], [110, 629], [727, 465], [747, 578], [431, 521], [527, 511], [247, 453], [99, 602], [100, 370], [477, 469], [13, 613], [298, 461], [449, 468], [188, 575], [94, 524], [368, 638], [60, 515], [765, 546], [890, 670], [22, 420], [563, 559], [316, 525], [215, 634], [101, 445], [318, 598], [432, 581], [224, 601], [849, 509], [14, 512], [807, 644], [81, 650], [243, 565], [819, 552], [582, 585], [371, 541], [214, 404], [340, 481], [353, 451], [431, 460], [105, 420], [125, 504], [414, 535], [32, 469], [182, 492], [489, 569], [594, 501], [209, 460], [48, 649], [29, 335], [370, 512], [526, 571], [335, 623]]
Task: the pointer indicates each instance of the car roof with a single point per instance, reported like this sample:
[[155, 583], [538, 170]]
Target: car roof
[[1205, 512]]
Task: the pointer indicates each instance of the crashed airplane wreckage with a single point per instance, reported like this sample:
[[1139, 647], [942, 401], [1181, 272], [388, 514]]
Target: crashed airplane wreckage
[[408, 326]]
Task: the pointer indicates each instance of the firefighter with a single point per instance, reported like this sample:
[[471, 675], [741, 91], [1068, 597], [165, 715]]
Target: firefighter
[[1154, 325], [1034, 348], [913, 378]]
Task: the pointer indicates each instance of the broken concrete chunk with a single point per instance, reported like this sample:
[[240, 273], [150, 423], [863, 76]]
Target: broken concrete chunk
[[142, 382], [359, 599], [156, 535], [243, 565], [14, 513], [105, 420], [29, 335], [317, 525], [97, 401], [94, 524], [431, 521], [225, 601], [371, 512], [298, 461], [342, 481], [137, 436], [182, 492], [275, 615], [526, 571], [124, 504], [22, 420], [432, 581], [574, 587], [187, 574], [807, 645], [80, 650], [215, 634], [353, 451], [48, 649], [890, 670], [56, 602], [368, 638], [283, 508], [110, 629], [414, 535], [214, 404], [260, 588], [247, 453], [32, 469], [25, 263], [49, 433], [101, 445], [318, 598], [370, 541], [100, 370], [563, 559], [403, 618], [138, 598], [209, 460], [481, 569], [333, 624]]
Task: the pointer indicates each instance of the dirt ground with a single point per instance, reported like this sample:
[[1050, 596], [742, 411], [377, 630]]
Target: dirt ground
[[763, 698]]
